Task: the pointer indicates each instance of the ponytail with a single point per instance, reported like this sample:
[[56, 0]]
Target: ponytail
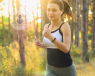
[[67, 11]]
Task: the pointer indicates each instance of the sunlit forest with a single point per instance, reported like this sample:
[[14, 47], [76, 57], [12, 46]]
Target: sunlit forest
[[18, 54]]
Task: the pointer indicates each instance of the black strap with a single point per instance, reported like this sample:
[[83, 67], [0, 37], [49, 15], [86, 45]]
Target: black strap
[[61, 24]]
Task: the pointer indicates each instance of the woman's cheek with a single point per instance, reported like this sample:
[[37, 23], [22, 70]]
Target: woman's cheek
[[48, 14]]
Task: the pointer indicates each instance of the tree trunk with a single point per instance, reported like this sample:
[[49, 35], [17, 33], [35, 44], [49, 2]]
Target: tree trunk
[[84, 32], [73, 23], [14, 20], [25, 24], [34, 23], [20, 38], [93, 28], [21, 47], [3, 44], [37, 22], [78, 24], [9, 30], [44, 18]]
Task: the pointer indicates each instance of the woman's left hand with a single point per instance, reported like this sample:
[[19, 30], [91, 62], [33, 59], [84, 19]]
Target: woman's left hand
[[47, 33]]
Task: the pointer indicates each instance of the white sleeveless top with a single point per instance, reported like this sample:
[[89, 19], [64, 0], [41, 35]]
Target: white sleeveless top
[[56, 33]]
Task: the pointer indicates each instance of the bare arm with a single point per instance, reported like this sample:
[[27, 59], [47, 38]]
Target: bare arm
[[65, 45]]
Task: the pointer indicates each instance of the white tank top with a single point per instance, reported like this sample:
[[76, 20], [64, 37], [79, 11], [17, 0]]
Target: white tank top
[[56, 33]]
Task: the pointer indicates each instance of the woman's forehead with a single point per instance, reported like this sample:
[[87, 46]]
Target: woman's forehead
[[53, 6]]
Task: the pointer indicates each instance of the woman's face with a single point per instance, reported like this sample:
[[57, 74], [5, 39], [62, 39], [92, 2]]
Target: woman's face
[[53, 11]]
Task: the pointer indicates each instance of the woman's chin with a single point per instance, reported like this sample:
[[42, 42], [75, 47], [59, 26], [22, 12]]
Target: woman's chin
[[51, 19]]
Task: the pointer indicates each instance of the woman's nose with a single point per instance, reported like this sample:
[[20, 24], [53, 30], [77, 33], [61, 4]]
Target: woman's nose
[[50, 12]]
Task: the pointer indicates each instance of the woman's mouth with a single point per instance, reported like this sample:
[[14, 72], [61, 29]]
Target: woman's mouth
[[50, 16]]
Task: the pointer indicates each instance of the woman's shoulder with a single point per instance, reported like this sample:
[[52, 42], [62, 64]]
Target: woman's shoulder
[[65, 25]]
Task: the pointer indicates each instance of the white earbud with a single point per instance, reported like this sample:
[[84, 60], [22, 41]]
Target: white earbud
[[61, 13]]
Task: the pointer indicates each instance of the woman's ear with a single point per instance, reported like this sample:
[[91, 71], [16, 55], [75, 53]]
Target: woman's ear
[[61, 12]]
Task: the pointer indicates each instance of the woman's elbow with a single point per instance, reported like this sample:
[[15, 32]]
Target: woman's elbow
[[66, 51]]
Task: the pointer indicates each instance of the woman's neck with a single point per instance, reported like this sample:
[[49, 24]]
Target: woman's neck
[[55, 23]]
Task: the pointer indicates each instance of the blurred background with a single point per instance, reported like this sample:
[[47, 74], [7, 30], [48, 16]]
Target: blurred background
[[18, 54]]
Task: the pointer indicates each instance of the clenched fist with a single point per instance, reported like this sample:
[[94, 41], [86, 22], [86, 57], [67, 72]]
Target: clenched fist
[[46, 32]]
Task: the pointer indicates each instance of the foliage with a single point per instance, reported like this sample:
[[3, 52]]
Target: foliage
[[10, 65], [6, 35], [5, 19], [35, 63], [31, 32], [75, 51], [89, 36]]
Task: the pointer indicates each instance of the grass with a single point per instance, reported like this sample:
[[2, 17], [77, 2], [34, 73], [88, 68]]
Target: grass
[[84, 69]]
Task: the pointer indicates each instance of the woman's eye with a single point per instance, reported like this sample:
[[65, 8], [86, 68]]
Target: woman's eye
[[53, 10]]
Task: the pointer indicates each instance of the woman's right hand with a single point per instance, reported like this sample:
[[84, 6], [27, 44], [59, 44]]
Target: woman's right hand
[[37, 42]]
